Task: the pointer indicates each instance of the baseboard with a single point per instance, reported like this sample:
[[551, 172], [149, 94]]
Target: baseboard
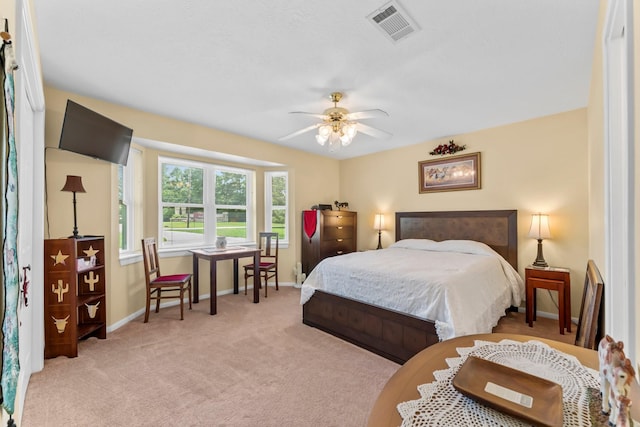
[[547, 315]]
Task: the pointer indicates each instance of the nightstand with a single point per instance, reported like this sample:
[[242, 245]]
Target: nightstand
[[554, 279]]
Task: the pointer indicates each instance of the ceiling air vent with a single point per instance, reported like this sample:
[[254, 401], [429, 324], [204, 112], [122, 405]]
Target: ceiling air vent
[[393, 21]]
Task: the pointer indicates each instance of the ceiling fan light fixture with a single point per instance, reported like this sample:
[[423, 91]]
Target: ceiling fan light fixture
[[323, 134], [334, 142], [324, 131], [347, 133], [339, 126], [350, 129], [337, 133]]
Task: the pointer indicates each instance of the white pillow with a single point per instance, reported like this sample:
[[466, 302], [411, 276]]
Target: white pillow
[[420, 244], [462, 246], [465, 247]]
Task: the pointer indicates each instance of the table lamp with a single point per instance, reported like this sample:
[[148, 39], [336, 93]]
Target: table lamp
[[378, 224], [540, 230], [74, 185]]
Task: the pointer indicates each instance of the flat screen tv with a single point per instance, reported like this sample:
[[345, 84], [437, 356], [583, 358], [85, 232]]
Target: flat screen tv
[[86, 132]]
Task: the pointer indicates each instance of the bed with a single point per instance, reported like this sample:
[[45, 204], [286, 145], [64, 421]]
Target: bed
[[394, 333]]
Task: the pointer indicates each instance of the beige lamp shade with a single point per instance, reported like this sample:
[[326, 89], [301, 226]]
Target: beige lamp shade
[[539, 226], [378, 222]]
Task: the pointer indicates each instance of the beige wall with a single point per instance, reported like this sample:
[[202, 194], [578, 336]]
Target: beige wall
[[8, 8], [312, 179], [595, 126], [531, 166]]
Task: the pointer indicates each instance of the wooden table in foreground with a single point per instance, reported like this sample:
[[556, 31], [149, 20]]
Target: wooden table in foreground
[[213, 256], [403, 385]]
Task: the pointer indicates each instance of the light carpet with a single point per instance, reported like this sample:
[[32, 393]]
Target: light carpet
[[249, 365]]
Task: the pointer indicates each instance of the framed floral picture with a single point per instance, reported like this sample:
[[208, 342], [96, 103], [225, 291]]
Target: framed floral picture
[[450, 173]]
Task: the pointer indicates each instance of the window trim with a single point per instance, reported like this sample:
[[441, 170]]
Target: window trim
[[128, 198]]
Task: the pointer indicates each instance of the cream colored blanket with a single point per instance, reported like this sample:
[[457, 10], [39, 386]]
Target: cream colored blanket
[[464, 286]]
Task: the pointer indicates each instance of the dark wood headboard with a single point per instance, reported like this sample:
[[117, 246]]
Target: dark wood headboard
[[498, 229]]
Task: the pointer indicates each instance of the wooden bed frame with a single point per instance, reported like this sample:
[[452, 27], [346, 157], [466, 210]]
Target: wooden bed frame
[[398, 336]]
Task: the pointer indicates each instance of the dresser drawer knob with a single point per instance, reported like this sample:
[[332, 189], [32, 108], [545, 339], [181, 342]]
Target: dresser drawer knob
[[339, 252], [339, 240], [339, 228]]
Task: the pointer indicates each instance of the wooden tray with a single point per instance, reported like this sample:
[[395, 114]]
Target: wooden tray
[[500, 387]]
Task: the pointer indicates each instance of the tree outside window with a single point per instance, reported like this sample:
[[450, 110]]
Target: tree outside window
[[231, 204], [182, 205]]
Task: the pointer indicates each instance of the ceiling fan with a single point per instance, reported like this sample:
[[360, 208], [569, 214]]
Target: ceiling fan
[[339, 126]]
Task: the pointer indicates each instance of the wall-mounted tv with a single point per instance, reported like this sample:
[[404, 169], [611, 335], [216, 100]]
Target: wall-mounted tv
[[86, 132]]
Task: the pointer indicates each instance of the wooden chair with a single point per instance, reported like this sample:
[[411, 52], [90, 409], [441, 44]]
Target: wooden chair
[[159, 286], [268, 245], [590, 323]]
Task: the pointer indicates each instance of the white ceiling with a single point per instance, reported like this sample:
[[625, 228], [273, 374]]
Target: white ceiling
[[243, 65]]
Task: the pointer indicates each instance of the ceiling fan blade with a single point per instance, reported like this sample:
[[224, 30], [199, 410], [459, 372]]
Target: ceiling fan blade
[[299, 132], [317, 115], [371, 131], [367, 114]]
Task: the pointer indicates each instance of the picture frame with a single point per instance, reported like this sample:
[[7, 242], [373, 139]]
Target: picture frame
[[590, 328], [452, 173]]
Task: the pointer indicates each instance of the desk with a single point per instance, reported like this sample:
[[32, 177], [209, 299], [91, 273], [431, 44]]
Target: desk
[[215, 255], [402, 386]]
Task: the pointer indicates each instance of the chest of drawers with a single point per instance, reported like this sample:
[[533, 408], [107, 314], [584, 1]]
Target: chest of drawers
[[335, 234]]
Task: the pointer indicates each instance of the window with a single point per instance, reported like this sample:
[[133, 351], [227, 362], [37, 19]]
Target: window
[[276, 204], [182, 205], [199, 201], [231, 205], [129, 200]]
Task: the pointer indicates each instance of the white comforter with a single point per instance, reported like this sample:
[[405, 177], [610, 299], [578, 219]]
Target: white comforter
[[464, 286]]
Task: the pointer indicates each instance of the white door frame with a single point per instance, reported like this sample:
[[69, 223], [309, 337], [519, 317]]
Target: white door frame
[[30, 145], [619, 167]]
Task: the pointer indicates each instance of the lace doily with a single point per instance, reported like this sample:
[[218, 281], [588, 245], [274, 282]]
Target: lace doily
[[442, 405]]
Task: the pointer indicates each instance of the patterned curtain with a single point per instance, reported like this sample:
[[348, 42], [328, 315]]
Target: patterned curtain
[[10, 270]]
